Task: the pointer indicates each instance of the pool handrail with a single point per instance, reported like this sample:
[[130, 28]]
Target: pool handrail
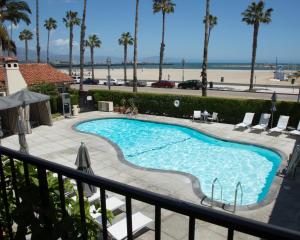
[[216, 180]]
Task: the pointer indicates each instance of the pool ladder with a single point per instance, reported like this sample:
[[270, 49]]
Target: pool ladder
[[237, 188], [216, 180]]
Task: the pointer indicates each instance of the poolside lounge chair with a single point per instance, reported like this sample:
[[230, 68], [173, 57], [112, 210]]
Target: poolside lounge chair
[[112, 204], [247, 121], [197, 115], [263, 122], [214, 117], [297, 131], [281, 125], [119, 230]]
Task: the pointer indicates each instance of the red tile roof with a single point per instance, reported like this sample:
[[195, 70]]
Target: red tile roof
[[36, 73]]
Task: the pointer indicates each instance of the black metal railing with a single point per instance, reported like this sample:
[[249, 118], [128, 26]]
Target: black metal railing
[[194, 212]]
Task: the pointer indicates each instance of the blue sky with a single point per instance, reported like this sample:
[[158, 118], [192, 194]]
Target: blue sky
[[231, 39]]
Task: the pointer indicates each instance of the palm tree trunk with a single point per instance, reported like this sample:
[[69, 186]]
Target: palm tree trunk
[[92, 62], [48, 46], [26, 50], [125, 63], [254, 47], [135, 47], [71, 50], [162, 47], [205, 52], [11, 37], [38, 48], [82, 36]]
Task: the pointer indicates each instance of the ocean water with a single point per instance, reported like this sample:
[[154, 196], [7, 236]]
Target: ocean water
[[170, 147]]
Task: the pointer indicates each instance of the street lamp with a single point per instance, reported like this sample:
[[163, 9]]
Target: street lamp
[[108, 62], [183, 63]]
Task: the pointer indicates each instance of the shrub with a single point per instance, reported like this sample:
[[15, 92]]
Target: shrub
[[230, 110]]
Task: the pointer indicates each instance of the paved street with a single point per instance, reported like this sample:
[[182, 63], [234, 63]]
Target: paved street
[[234, 92]]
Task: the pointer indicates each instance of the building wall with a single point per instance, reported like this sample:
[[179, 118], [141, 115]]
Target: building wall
[[14, 80]]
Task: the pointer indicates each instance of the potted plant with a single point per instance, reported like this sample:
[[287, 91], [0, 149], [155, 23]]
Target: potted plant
[[122, 108]]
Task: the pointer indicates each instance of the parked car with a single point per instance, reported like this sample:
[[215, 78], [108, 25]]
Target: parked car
[[192, 84], [140, 83], [76, 79], [90, 82], [163, 84], [114, 82]]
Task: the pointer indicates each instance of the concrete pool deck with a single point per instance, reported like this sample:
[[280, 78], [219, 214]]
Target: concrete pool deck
[[60, 144]]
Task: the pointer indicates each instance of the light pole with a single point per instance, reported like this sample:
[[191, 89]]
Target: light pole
[[108, 62], [183, 63]]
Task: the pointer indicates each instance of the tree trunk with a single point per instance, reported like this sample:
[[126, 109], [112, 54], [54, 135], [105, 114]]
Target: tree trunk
[[11, 38], [205, 52], [254, 47], [92, 62], [125, 62], [82, 36], [26, 50], [135, 47], [162, 47], [38, 48], [48, 46], [71, 50]]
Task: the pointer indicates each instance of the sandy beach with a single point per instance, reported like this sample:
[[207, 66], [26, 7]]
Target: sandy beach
[[230, 76]]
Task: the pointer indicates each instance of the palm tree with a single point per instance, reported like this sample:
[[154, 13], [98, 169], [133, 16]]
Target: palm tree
[[213, 21], [205, 51], [15, 12], [37, 29], [93, 42], [135, 52], [26, 36], [164, 6], [82, 36], [125, 40], [49, 24], [254, 15], [70, 21]]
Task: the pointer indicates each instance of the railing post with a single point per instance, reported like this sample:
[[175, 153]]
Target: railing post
[[157, 222], [82, 211], [230, 234], [129, 218], [192, 228], [14, 180], [4, 197], [62, 195], [103, 213], [26, 173], [44, 192]]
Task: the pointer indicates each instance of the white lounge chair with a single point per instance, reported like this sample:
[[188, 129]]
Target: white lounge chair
[[281, 125], [297, 131], [214, 117], [263, 122], [112, 204], [197, 115], [119, 230], [247, 121]]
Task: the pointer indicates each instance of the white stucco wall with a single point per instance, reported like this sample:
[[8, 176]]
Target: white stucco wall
[[14, 80]]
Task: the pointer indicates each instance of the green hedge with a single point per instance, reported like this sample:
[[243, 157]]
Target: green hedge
[[230, 110]]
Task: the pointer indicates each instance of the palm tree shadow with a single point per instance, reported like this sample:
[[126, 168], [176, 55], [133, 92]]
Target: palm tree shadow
[[286, 210]]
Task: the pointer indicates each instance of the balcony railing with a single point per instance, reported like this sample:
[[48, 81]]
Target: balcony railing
[[194, 212]]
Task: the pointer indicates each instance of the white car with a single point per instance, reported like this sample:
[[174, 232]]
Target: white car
[[114, 82], [76, 79]]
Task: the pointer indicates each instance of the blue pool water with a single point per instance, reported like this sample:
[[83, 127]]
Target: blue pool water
[[171, 147]]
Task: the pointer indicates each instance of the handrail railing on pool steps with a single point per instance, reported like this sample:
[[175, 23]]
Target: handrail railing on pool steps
[[216, 180], [238, 186]]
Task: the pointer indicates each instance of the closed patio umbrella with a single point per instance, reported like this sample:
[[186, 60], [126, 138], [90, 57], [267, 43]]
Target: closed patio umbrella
[[83, 164], [273, 107], [1, 132], [22, 139]]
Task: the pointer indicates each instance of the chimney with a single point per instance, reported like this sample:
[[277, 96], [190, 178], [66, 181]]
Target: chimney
[[14, 80]]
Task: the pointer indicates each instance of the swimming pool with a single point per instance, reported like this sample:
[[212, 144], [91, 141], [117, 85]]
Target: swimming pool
[[177, 148]]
